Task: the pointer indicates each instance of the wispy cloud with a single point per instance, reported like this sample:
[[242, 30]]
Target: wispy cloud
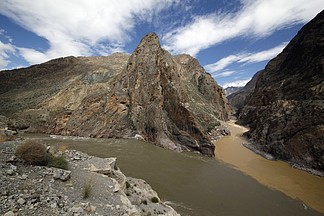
[[223, 73], [245, 58], [257, 18], [237, 83], [79, 27], [6, 49]]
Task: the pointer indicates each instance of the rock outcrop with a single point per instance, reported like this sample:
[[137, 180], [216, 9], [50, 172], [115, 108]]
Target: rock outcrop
[[285, 112], [168, 100], [38, 190]]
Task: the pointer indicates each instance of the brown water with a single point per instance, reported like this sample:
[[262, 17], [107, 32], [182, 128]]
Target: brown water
[[192, 184], [274, 174]]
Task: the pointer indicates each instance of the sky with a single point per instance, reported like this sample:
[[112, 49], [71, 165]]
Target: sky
[[232, 39]]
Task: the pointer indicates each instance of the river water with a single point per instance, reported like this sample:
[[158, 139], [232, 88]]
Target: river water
[[274, 174], [194, 185]]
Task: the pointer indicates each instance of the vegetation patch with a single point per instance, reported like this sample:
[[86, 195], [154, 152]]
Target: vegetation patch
[[33, 153], [87, 188], [58, 162]]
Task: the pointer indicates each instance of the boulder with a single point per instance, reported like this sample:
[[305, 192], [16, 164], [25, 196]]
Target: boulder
[[61, 174]]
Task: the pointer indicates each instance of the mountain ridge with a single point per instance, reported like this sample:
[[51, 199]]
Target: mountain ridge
[[168, 100], [285, 112]]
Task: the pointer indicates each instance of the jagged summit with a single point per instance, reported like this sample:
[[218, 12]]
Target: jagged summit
[[151, 40], [169, 101]]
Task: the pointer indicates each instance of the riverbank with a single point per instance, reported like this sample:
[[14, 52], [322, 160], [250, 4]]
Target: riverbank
[[91, 186], [278, 175]]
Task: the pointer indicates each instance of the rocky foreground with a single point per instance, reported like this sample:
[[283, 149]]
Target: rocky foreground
[[91, 186]]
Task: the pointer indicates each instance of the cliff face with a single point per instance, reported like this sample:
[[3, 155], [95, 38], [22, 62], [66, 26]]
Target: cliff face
[[237, 99], [168, 100], [285, 112]]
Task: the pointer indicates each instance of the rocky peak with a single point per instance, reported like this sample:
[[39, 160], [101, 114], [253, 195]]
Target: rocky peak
[[149, 44], [158, 100], [169, 101]]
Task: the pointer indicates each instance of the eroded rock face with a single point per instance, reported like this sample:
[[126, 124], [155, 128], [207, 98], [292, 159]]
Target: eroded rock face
[[168, 100], [285, 112], [237, 99], [153, 97]]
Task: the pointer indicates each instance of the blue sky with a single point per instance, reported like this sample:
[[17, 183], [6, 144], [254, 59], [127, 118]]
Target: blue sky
[[232, 39]]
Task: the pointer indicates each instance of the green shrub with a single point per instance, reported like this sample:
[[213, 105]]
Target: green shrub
[[33, 153], [155, 200], [58, 162], [87, 188]]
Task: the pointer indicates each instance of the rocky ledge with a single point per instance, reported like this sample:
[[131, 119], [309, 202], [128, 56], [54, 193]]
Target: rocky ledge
[[91, 186]]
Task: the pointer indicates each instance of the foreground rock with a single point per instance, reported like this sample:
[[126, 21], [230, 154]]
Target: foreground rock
[[168, 100], [285, 112], [94, 186]]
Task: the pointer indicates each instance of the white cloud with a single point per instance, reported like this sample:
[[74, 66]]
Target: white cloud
[[6, 49], [245, 58], [76, 27], [238, 83], [223, 63], [263, 55], [224, 73], [257, 18]]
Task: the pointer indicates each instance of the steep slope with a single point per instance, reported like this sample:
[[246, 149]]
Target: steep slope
[[31, 95], [237, 99], [150, 98], [168, 100], [285, 112]]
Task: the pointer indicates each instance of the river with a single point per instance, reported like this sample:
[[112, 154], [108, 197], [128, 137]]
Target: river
[[275, 174], [194, 185]]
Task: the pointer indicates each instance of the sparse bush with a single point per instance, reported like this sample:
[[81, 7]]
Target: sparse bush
[[155, 200], [58, 162], [87, 188], [33, 153]]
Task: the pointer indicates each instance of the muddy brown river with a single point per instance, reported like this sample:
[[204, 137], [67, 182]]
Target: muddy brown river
[[274, 174], [199, 186]]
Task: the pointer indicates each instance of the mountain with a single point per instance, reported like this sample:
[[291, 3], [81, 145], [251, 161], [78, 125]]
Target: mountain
[[285, 112], [232, 89], [237, 98], [168, 100]]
